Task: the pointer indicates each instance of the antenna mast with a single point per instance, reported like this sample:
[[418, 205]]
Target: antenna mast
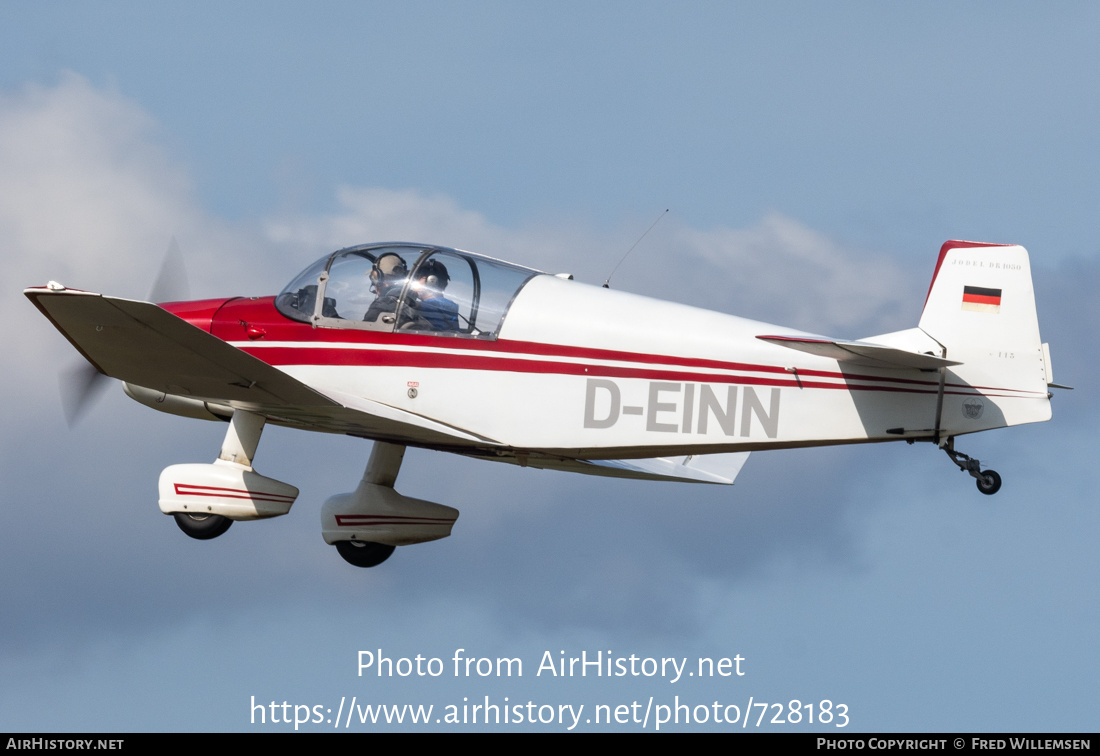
[[607, 283]]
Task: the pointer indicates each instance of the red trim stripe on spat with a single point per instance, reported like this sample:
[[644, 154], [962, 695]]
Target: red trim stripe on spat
[[189, 489], [351, 521]]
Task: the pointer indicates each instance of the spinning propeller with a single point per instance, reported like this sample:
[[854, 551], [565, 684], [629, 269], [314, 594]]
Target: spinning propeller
[[82, 384]]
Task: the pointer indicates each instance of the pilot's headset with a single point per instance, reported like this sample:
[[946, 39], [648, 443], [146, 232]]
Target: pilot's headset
[[388, 269], [434, 274]]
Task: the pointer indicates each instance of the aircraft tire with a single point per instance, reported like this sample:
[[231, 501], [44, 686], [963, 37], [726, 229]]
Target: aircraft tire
[[202, 526], [989, 483], [364, 553]]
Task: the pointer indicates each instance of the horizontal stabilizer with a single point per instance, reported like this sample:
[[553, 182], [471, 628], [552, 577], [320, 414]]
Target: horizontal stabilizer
[[721, 469], [862, 353]]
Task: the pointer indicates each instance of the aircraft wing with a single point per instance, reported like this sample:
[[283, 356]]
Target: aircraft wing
[[140, 343], [145, 345], [862, 353]]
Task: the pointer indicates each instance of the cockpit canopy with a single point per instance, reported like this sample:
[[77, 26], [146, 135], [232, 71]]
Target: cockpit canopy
[[405, 287]]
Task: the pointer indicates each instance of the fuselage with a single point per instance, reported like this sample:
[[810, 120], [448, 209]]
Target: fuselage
[[588, 372]]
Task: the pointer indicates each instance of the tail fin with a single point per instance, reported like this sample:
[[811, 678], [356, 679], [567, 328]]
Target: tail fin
[[981, 309]]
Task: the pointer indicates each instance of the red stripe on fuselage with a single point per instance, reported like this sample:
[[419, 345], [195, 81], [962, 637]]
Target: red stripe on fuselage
[[232, 320], [366, 348], [306, 355]]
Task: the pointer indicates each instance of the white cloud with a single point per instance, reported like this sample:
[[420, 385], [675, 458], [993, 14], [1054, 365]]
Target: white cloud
[[792, 272], [86, 191], [374, 214], [91, 198]]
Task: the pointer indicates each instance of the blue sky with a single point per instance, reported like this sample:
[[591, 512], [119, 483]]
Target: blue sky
[[813, 157]]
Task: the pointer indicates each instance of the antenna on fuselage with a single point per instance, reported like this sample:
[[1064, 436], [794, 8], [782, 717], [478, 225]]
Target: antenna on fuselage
[[607, 283]]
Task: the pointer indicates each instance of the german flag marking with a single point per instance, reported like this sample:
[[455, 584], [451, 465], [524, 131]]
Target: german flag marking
[[979, 299]]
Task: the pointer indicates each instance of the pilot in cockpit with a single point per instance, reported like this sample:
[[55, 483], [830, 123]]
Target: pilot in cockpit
[[387, 278]]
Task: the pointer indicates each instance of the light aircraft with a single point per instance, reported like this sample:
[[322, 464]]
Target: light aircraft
[[419, 345]]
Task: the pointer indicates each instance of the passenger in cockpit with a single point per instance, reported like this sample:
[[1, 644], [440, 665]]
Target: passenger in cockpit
[[433, 310]]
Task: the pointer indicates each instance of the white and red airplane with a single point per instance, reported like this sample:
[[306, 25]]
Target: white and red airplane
[[418, 345]]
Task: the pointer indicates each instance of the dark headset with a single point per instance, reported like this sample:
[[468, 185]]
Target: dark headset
[[400, 270], [434, 274]]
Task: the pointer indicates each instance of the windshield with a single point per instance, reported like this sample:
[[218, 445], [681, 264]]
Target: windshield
[[405, 287]]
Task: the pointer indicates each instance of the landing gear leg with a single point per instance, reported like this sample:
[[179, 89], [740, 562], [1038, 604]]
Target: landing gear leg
[[366, 524], [382, 469], [205, 499], [989, 482]]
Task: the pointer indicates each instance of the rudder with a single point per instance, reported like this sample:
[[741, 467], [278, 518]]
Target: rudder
[[981, 308]]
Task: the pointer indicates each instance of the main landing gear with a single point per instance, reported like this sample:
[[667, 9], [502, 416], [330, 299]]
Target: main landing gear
[[367, 524], [989, 482], [205, 499], [364, 553], [202, 526]]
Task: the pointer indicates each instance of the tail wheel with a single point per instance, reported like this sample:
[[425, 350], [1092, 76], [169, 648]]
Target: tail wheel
[[202, 526], [989, 483], [364, 553]]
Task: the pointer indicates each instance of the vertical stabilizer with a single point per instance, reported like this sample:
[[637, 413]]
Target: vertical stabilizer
[[981, 308]]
